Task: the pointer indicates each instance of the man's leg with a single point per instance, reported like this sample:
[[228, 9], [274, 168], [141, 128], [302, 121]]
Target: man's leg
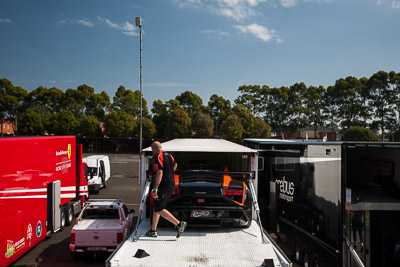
[[166, 215], [156, 218]]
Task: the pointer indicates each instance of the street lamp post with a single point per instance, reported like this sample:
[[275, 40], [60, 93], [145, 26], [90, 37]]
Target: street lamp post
[[139, 24]]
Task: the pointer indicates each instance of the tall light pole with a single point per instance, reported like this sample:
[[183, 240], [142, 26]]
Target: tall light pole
[[139, 24]]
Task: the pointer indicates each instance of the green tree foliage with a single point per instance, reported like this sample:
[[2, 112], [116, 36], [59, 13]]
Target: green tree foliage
[[129, 101], [277, 113], [246, 120], [383, 102], [11, 101], [357, 133], [219, 108], [261, 129], [190, 102], [203, 126], [90, 126], [148, 128], [231, 128], [251, 98], [314, 103], [63, 123], [30, 123], [160, 116], [119, 124], [178, 125]]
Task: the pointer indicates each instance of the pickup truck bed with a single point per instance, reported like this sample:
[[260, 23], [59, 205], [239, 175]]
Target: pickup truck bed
[[196, 247]]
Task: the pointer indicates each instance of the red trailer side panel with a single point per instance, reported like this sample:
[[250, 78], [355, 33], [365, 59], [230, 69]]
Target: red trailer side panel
[[27, 165]]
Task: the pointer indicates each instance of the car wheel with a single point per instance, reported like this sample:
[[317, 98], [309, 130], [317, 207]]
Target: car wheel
[[306, 262], [63, 219], [315, 262], [70, 214], [297, 253]]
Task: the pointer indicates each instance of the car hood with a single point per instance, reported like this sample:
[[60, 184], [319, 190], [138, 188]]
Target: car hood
[[99, 224]]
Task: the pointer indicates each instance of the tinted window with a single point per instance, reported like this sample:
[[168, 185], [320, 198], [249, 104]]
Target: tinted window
[[284, 164]]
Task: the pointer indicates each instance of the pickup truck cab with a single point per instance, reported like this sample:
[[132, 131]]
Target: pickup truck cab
[[97, 171], [101, 226]]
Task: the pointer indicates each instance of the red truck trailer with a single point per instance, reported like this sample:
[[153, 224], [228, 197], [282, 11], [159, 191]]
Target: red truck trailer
[[42, 188]]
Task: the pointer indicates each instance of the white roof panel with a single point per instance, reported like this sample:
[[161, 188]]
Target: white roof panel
[[203, 145]]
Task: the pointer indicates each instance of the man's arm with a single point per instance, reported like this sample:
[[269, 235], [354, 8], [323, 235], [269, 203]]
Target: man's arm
[[158, 178], [157, 182]]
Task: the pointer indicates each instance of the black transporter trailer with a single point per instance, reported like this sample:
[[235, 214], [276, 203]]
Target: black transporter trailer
[[331, 203]]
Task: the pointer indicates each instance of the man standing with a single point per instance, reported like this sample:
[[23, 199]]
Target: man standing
[[163, 187]]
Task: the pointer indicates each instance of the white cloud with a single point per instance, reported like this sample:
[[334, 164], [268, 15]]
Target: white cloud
[[288, 3], [396, 4], [126, 28], [5, 20], [218, 32], [234, 9], [379, 2], [260, 32], [85, 22]]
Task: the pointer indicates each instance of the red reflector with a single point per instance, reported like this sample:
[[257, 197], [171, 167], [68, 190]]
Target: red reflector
[[72, 239], [119, 238], [233, 192], [200, 200]]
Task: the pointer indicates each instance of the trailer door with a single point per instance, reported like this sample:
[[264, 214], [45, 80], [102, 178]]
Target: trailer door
[[53, 206]]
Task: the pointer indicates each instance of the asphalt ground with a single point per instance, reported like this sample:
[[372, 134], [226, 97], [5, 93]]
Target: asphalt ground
[[54, 249]]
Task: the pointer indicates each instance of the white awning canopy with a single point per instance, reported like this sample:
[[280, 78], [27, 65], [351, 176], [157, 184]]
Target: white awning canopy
[[202, 145]]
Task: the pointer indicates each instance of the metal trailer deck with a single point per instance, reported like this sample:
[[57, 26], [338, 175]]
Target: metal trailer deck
[[198, 246]]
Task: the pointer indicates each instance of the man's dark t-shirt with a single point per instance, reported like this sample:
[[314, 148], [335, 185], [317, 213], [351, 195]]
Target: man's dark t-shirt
[[165, 162]]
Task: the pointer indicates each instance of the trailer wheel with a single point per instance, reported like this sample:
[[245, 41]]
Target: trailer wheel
[[315, 262], [70, 214], [306, 259], [63, 221]]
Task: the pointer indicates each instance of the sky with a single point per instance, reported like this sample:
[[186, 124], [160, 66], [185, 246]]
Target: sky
[[203, 46]]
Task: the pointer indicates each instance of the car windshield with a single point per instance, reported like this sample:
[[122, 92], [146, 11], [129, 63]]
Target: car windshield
[[100, 214]]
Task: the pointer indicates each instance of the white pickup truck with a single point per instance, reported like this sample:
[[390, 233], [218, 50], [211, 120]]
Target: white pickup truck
[[101, 226]]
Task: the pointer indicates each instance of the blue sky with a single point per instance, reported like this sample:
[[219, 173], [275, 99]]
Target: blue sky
[[204, 46]]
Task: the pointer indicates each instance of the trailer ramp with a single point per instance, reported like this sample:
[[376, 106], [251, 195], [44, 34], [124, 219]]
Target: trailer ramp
[[196, 247]]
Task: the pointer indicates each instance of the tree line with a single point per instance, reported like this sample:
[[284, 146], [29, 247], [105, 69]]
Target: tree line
[[372, 103]]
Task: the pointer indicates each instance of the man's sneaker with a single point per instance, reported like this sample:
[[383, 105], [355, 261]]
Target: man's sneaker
[[180, 228], [151, 233]]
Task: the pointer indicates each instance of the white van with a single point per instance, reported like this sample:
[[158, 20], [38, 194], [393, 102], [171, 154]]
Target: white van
[[97, 171]]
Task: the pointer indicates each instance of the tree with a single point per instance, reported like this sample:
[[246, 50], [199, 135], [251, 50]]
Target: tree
[[51, 99], [231, 128], [119, 124], [178, 125], [98, 105], [297, 111], [276, 107], [251, 98], [384, 99], [160, 116], [63, 123], [314, 103], [203, 126], [148, 130], [129, 101], [357, 133], [11, 102], [90, 126], [261, 129], [30, 123], [190, 102], [246, 119], [219, 108]]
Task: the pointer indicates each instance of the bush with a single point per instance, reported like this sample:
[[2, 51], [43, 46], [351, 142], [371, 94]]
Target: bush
[[359, 134]]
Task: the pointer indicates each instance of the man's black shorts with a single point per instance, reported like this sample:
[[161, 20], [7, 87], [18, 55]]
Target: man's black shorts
[[160, 203]]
